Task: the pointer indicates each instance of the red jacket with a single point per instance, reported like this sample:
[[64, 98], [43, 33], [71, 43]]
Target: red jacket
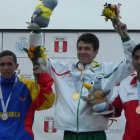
[[126, 97]]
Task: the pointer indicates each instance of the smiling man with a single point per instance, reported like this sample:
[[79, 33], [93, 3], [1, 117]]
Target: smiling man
[[72, 114], [87, 48], [19, 99]]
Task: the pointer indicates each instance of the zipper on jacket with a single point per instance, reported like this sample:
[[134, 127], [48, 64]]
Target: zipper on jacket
[[78, 107]]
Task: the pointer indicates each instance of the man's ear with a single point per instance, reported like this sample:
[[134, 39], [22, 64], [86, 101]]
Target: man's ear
[[16, 66], [96, 52]]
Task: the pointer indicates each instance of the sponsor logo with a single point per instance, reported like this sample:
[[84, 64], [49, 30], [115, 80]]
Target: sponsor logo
[[21, 43], [22, 98], [60, 44], [115, 130], [49, 124], [130, 93]]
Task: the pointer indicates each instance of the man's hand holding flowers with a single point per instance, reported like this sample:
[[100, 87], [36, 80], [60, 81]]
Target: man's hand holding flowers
[[112, 12]]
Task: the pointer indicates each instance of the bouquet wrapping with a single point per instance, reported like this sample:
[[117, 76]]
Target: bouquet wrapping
[[34, 53]]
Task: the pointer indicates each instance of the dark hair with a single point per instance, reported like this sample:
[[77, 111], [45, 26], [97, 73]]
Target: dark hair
[[89, 38], [7, 53], [137, 47]]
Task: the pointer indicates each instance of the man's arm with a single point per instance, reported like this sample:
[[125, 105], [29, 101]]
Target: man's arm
[[45, 97], [116, 72], [116, 105], [121, 29]]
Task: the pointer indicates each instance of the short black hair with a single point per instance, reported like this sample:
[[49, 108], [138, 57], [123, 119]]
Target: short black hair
[[89, 38], [137, 47], [8, 53]]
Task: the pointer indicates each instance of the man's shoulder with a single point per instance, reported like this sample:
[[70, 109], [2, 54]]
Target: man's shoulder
[[25, 81], [61, 66], [128, 81]]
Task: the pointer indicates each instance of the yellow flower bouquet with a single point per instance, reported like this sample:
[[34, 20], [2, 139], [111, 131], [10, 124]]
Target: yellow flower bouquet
[[34, 53], [111, 12]]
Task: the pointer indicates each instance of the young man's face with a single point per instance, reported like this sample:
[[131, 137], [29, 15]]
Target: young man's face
[[136, 61], [7, 66], [85, 52]]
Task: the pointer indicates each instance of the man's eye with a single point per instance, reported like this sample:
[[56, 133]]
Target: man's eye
[[3, 64], [79, 49], [136, 57]]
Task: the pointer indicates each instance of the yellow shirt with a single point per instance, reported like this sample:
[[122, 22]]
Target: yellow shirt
[[46, 12]]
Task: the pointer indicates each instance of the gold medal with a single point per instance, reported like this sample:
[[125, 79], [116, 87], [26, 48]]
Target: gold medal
[[4, 116], [75, 96], [138, 110]]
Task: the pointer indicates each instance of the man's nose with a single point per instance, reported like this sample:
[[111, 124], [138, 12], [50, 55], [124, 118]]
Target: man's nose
[[6, 67], [83, 50]]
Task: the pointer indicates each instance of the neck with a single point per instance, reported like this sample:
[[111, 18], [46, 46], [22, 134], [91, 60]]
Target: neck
[[138, 77], [8, 77]]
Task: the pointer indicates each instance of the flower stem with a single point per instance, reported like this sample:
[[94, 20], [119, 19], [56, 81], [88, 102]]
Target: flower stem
[[36, 82]]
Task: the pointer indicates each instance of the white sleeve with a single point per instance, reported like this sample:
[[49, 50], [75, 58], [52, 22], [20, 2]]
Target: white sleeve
[[116, 72]]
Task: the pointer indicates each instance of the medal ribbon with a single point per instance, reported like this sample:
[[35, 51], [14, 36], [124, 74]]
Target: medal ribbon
[[76, 81], [5, 106], [138, 90]]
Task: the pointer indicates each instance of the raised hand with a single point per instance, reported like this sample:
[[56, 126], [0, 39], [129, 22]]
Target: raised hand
[[121, 29]]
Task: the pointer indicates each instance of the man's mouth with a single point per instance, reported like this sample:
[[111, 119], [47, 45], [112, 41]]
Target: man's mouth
[[83, 56]]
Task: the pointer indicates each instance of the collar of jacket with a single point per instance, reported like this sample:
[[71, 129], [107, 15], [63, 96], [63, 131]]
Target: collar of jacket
[[134, 80], [82, 67], [7, 81]]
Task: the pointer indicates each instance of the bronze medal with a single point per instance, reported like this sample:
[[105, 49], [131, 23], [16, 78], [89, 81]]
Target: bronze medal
[[138, 110]]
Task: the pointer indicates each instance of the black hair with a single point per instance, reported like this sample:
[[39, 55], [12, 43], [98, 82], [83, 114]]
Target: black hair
[[8, 53], [89, 38], [137, 47]]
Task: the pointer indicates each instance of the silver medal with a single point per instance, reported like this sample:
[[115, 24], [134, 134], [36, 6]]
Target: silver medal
[[4, 116]]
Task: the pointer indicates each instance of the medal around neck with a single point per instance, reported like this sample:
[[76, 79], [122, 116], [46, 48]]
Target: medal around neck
[[138, 110], [4, 116], [75, 96]]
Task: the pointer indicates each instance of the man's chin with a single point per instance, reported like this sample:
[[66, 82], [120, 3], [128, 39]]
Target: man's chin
[[84, 62], [6, 76]]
